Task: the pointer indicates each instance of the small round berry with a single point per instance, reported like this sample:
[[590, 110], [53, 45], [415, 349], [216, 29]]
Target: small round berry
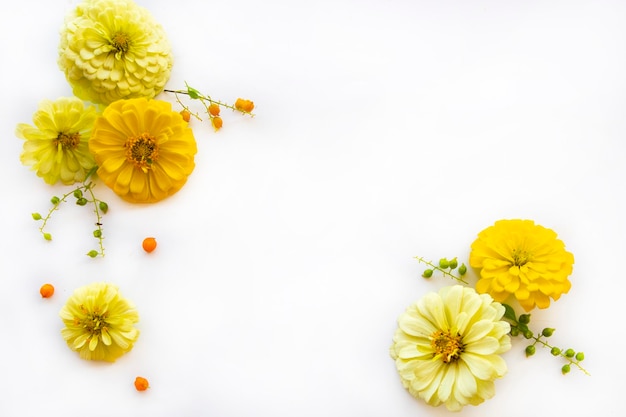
[[149, 244], [530, 350], [214, 109], [570, 353], [92, 253], [427, 273], [462, 269], [36, 216], [141, 384], [580, 356], [104, 207], [444, 263], [524, 318], [46, 290], [547, 332], [565, 369], [217, 122], [453, 263], [555, 351], [186, 115]]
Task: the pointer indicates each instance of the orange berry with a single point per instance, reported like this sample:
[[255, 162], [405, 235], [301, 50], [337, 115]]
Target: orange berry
[[149, 244], [186, 115], [244, 105], [46, 290], [214, 109], [217, 122], [141, 384]]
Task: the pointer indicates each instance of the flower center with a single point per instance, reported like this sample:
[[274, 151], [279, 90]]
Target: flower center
[[520, 257], [447, 345], [142, 151], [120, 42], [68, 141], [93, 322]]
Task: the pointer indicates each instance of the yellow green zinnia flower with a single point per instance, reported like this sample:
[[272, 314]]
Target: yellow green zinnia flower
[[99, 322], [56, 146], [113, 49], [144, 150], [523, 259], [447, 347]]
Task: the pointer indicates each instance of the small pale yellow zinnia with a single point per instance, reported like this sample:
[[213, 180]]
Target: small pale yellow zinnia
[[447, 347], [523, 259], [144, 150], [114, 49], [99, 322], [56, 147]]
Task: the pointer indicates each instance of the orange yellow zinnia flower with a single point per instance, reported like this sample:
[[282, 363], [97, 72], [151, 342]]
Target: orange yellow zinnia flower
[[522, 259], [99, 322], [144, 150]]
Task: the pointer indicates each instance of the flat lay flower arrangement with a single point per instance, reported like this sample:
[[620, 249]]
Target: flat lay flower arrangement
[[113, 131]]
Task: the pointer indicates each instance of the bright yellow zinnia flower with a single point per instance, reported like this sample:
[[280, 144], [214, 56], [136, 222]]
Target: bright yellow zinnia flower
[[447, 347], [144, 149], [57, 146], [520, 258], [99, 322], [114, 49]]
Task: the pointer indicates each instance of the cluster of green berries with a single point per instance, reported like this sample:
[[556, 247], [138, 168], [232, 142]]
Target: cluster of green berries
[[446, 267], [100, 208], [519, 326]]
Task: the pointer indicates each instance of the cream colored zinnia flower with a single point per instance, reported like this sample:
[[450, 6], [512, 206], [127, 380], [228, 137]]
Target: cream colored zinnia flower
[[56, 147], [447, 347], [113, 49], [144, 150], [523, 259], [99, 322]]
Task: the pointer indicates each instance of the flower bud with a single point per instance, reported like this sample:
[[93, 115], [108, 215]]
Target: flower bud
[[36, 216], [97, 233], [555, 351], [55, 200], [427, 273], [104, 207], [524, 318], [565, 369], [580, 356], [528, 334], [462, 269], [514, 331], [92, 253], [47, 236], [81, 201], [453, 263], [78, 193], [444, 263], [547, 332], [530, 350]]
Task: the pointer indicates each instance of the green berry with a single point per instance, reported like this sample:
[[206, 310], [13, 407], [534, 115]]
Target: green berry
[[555, 351], [81, 201], [453, 263], [92, 253], [547, 332], [528, 334], [97, 233], [530, 350], [55, 200], [427, 273], [444, 263], [104, 207], [524, 318], [78, 193], [580, 356], [514, 331], [462, 269], [565, 369], [47, 236], [570, 353], [36, 216]]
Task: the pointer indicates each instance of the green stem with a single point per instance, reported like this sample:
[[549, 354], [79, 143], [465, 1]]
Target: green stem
[[443, 271]]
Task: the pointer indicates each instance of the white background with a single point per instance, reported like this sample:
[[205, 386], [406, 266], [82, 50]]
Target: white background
[[384, 129]]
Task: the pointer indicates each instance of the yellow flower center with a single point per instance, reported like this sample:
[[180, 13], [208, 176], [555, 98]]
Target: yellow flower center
[[120, 42], [68, 141], [447, 345], [93, 322], [520, 257], [142, 151]]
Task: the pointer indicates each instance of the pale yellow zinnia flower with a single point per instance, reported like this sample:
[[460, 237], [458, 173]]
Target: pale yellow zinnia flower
[[144, 150], [113, 49], [56, 147], [523, 259], [447, 347], [99, 322]]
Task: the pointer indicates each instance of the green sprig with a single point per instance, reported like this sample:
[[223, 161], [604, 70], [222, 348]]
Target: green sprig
[[519, 326], [99, 207], [445, 267]]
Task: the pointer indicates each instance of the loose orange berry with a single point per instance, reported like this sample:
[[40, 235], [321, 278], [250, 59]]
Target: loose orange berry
[[217, 122], [141, 384], [244, 105], [186, 115], [46, 290], [214, 109], [149, 244]]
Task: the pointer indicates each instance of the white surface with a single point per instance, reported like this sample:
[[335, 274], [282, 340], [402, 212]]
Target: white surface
[[385, 129]]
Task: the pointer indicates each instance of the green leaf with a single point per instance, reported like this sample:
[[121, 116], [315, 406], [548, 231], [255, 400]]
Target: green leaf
[[193, 93], [509, 313]]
